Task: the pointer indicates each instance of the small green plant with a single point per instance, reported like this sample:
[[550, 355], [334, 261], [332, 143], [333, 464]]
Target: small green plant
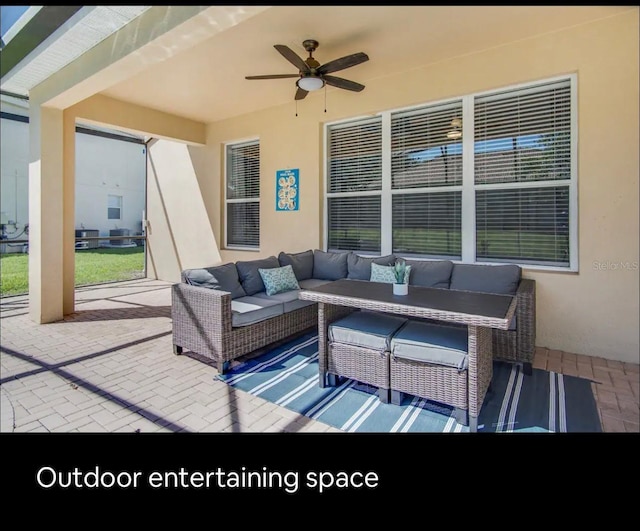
[[400, 271]]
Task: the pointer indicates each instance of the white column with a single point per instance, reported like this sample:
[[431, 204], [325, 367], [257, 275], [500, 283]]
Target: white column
[[45, 214]]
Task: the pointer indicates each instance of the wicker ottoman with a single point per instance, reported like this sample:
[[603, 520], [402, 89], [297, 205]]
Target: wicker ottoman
[[430, 361], [359, 347]]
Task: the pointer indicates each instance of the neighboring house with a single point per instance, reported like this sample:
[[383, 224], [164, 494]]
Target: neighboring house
[[110, 181]]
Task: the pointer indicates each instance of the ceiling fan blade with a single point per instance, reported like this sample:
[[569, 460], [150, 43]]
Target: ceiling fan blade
[[292, 57], [342, 63], [273, 76], [343, 83], [301, 94]]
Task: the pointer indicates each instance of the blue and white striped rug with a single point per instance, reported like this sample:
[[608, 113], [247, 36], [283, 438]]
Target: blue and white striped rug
[[541, 402]]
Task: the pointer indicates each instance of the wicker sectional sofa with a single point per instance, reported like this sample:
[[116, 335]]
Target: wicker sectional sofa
[[223, 312]]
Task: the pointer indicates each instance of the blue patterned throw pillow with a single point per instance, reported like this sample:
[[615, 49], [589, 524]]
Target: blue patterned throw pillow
[[382, 273], [279, 279]]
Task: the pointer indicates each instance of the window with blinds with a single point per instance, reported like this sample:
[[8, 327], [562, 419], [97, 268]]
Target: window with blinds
[[243, 195], [523, 137], [486, 177], [424, 158], [354, 184]]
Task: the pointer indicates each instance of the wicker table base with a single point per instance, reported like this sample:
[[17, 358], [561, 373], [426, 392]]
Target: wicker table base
[[480, 312]]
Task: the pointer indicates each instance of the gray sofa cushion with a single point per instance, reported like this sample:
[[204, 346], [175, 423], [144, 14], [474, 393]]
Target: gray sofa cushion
[[501, 279], [359, 267], [302, 263], [366, 329], [432, 343], [289, 299], [249, 310], [431, 274], [329, 266], [250, 276], [312, 283], [223, 277]]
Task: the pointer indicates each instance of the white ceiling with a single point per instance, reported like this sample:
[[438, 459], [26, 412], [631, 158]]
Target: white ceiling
[[207, 82]]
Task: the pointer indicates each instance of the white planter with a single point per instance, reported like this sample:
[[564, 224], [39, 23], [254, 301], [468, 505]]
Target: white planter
[[400, 289]]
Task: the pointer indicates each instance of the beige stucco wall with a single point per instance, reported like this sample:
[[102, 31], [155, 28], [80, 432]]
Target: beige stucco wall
[[592, 312]]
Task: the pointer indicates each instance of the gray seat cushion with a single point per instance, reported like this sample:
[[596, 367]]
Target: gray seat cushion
[[329, 266], [249, 310], [431, 274], [250, 276], [366, 329], [302, 263], [359, 267], [312, 283], [223, 277], [432, 343], [289, 299], [501, 279]]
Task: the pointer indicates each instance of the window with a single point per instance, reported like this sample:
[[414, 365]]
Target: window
[[243, 195], [484, 178], [114, 207], [522, 154], [355, 184]]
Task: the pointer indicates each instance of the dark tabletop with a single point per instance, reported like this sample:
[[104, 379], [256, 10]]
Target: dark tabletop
[[468, 302]]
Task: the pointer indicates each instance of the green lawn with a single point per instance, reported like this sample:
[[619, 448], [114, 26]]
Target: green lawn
[[93, 266]]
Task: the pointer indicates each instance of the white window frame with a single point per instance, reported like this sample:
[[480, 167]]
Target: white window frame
[[227, 201], [120, 201], [468, 188]]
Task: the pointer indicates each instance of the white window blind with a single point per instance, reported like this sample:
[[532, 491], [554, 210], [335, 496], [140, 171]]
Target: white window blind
[[425, 156], [523, 136], [354, 183], [243, 194]]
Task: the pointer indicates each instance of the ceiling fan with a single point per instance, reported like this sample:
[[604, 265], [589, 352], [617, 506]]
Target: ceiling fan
[[312, 75]]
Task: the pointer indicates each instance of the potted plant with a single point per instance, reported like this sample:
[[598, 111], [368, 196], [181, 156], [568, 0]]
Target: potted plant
[[401, 274]]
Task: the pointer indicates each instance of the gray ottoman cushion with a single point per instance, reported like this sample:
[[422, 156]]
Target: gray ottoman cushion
[[223, 277], [359, 267], [501, 279], [366, 329], [250, 276], [432, 343], [431, 274], [302, 263], [249, 310], [329, 266]]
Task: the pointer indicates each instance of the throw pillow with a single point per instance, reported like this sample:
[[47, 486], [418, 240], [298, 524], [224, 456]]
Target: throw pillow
[[359, 267], [279, 279], [382, 273]]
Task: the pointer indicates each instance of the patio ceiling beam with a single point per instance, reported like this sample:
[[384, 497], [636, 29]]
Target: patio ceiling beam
[[108, 112], [43, 24]]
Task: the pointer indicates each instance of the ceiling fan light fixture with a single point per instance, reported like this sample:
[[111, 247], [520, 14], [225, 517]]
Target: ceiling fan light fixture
[[310, 83], [456, 132]]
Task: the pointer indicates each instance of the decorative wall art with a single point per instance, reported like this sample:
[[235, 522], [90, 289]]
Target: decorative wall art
[[287, 190]]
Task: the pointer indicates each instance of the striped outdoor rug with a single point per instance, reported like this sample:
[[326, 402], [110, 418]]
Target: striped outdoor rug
[[542, 402]]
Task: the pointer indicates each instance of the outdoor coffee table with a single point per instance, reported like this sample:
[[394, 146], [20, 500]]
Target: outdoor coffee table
[[480, 312]]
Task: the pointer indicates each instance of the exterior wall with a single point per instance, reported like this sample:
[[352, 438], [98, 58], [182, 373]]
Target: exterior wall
[[14, 180], [104, 166], [594, 311]]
